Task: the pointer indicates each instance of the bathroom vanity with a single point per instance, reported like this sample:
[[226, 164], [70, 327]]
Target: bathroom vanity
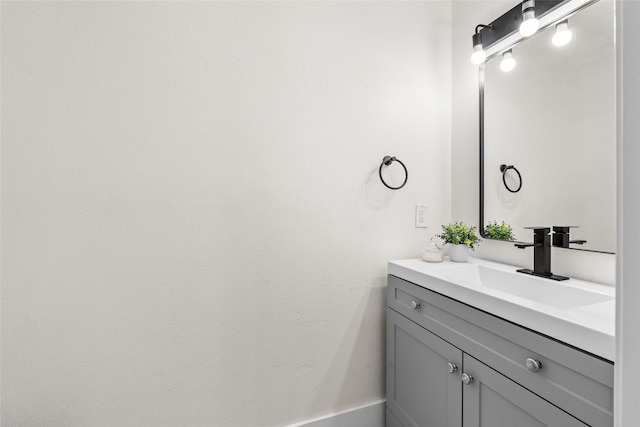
[[477, 344]]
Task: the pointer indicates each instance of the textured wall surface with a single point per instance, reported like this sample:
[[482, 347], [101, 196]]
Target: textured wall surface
[[193, 229]]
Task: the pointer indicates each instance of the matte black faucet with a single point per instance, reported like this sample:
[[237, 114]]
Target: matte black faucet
[[541, 254], [561, 236]]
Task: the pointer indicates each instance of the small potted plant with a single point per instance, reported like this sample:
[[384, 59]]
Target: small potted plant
[[502, 231], [460, 237]]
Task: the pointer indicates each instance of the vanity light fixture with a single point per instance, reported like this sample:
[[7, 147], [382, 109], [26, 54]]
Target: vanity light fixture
[[530, 23], [479, 55], [563, 34], [508, 62]]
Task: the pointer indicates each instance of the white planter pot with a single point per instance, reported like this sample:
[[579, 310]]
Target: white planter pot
[[458, 253]]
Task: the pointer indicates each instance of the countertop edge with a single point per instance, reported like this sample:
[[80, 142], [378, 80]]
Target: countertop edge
[[597, 342]]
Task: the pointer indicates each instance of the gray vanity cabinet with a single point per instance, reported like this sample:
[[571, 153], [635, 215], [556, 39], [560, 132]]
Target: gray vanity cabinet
[[451, 365], [423, 382], [493, 400], [425, 386]]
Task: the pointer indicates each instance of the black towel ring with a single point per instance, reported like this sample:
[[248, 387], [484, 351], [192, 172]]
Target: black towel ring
[[386, 162], [511, 178]]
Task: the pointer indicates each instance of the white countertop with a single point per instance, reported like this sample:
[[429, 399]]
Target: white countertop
[[590, 327]]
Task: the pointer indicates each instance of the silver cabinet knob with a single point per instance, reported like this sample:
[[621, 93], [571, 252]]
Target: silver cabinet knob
[[415, 305], [533, 365], [451, 367], [467, 379]]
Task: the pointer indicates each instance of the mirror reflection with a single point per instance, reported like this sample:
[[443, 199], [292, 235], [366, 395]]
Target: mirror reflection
[[511, 178], [552, 113]]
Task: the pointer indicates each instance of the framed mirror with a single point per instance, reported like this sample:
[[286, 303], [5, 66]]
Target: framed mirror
[[552, 118]]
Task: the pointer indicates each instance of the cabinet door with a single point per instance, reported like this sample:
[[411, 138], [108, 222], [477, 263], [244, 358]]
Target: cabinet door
[[421, 392], [493, 400], [391, 420]]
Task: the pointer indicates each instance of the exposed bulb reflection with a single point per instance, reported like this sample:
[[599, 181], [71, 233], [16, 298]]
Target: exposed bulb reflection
[[508, 62], [563, 34]]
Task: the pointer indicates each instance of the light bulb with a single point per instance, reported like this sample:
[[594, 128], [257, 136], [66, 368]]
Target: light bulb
[[529, 24], [508, 62], [563, 34], [479, 55]]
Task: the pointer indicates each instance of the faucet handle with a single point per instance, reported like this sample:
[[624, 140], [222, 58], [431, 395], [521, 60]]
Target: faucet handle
[[540, 230], [561, 236], [524, 245], [540, 234], [564, 228]]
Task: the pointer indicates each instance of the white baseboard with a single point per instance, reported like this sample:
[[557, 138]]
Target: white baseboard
[[370, 415]]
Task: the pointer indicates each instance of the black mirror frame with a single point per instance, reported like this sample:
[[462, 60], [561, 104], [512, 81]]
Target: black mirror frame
[[504, 32]]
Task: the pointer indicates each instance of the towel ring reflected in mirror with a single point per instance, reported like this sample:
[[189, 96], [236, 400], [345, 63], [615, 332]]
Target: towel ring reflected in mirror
[[511, 178]]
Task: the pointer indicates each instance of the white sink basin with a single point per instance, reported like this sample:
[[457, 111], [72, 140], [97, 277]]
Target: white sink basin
[[574, 311], [563, 294]]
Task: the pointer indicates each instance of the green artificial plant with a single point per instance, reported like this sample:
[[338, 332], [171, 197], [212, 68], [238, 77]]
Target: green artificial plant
[[502, 231], [459, 233]]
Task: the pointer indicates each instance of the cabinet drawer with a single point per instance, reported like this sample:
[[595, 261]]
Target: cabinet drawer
[[577, 382]]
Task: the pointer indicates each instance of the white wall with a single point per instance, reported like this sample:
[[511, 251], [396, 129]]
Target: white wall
[[628, 269], [193, 230], [466, 15]]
